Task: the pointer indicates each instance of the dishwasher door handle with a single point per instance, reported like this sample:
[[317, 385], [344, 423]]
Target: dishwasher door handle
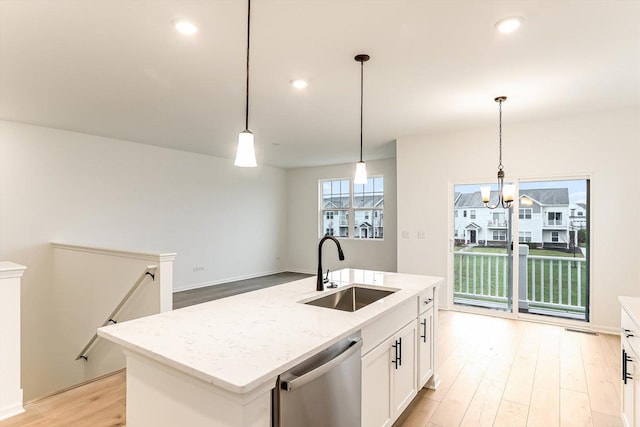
[[297, 382]]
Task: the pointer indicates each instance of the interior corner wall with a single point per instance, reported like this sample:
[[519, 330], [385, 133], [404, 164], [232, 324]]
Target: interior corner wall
[[223, 222], [304, 216], [605, 145]]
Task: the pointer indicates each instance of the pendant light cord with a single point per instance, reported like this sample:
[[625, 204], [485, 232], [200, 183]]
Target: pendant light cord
[[361, 102], [500, 167], [246, 110]]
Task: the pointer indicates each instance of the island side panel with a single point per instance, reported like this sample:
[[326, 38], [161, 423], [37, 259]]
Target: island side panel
[[434, 382], [160, 396]]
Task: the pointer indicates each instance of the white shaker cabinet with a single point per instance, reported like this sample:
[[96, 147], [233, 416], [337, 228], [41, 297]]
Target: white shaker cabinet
[[425, 347], [389, 374], [630, 361]]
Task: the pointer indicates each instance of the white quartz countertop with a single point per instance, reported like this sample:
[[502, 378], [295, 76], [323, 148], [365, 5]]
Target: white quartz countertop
[[632, 306], [242, 342]]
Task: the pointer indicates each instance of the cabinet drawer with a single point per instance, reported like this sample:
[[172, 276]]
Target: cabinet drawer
[[631, 331], [426, 300]]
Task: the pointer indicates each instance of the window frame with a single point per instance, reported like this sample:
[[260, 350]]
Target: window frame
[[522, 213], [352, 210]]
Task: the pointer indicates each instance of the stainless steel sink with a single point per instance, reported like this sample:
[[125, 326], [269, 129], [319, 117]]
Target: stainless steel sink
[[351, 299]]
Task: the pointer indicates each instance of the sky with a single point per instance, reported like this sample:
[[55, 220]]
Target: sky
[[577, 188]]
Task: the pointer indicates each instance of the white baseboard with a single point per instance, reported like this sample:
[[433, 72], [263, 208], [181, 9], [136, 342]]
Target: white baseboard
[[12, 410]]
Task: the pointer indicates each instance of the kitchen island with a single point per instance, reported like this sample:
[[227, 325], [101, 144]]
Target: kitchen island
[[216, 363]]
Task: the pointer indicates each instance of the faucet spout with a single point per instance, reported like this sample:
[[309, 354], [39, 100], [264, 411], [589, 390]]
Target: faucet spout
[[320, 283]]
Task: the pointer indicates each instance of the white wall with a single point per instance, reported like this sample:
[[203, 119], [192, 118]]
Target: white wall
[[303, 217], [606, 145], [58, 186]]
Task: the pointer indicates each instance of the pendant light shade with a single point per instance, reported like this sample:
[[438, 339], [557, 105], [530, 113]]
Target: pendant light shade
[[361, 173], [361, 166], [246, 154]]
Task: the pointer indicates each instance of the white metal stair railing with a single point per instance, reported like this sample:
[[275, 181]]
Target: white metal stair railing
[[149, 271]]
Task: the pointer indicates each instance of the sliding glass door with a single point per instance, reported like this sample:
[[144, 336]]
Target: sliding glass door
[[482, 257], [547, 229], [553, 242]]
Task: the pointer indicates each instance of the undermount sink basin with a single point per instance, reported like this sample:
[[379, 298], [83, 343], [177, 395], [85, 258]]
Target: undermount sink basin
[[351, 299]]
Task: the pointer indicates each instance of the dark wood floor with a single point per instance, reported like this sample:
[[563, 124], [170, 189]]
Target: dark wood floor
[[210, 293]]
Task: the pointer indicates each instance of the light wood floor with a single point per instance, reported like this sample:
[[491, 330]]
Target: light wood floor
[[494, 372], [499, 372], [100, 403]]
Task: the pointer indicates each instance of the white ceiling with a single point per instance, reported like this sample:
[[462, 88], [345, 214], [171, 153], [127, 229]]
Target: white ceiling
[[117, 68]]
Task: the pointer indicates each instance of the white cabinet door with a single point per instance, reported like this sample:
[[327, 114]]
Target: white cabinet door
[[376, 385], [425, 347], [389, 378], [627, 387], [405, 370]]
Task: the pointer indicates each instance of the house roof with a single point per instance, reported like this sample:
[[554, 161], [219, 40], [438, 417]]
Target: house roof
[[469, 200], [374, 201], [548, 196], [542, 196]]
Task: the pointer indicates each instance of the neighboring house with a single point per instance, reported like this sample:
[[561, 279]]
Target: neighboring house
[[368, 216], [578, 216], [543, 219]]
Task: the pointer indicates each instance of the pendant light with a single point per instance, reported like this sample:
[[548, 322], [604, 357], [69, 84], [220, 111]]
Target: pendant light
[[361, 166], [246, 155], [506, 193]]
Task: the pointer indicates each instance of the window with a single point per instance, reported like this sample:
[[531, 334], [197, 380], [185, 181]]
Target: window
[[368, 204], [524, 236], [555, 236], [472, 214], [500, 235], [335, 204], [580, 213], [525, 213], [359, 208], [554, 218], [464, 214], [455, 213]]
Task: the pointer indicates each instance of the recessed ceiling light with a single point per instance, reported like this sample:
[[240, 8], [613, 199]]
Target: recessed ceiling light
[[185, 27], [299, 84], [509, 25]]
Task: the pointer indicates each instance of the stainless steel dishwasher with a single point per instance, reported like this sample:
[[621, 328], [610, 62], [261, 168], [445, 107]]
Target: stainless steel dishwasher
[[322, 391]]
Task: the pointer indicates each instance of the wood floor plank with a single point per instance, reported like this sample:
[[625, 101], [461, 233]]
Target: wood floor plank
[[572, 376], [485, 404], [544, 408], [520, 383], [603, 420], [575, 410], [451, 408], [419, 413], [511, 414]]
